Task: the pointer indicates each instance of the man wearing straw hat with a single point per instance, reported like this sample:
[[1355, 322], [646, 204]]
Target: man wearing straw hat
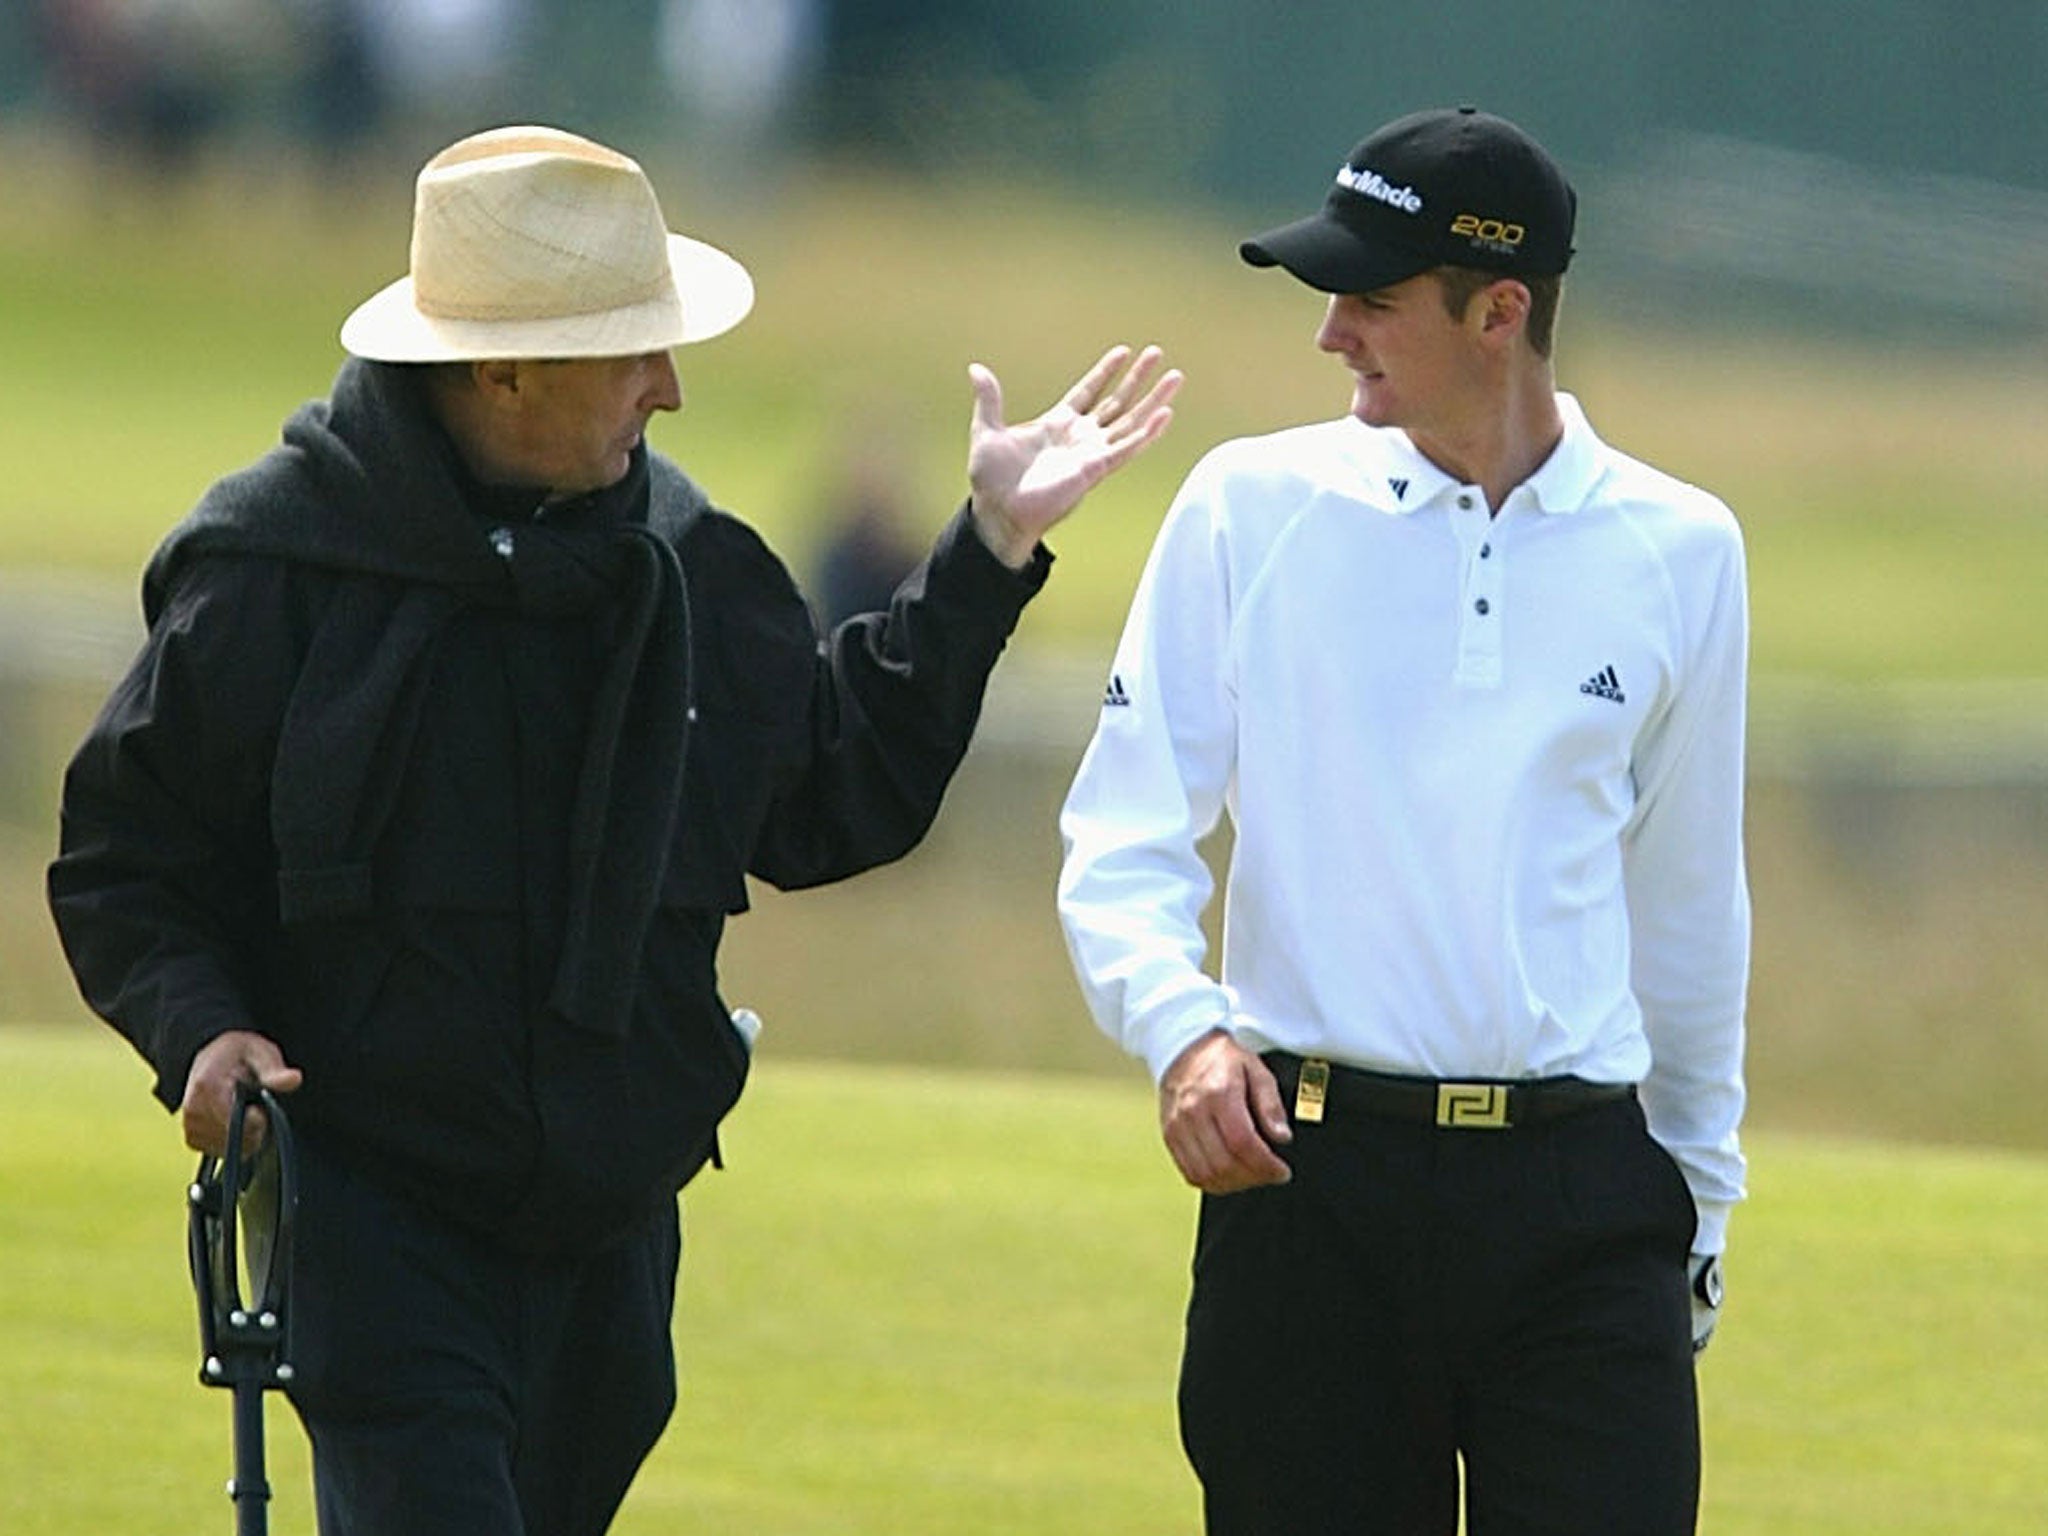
[[461, 719]]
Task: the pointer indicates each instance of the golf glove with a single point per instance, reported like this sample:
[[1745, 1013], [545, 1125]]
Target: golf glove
[[1705, 1269]]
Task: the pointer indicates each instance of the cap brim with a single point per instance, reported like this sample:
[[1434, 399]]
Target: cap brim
[[1331, 257], [712, 293]]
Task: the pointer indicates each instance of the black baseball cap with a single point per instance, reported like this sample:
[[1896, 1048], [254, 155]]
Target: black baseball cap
[[1448, 187]]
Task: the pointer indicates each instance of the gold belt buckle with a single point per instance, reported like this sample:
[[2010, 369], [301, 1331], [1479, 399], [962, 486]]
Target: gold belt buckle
[[1472, 1106], [1311, 1090]]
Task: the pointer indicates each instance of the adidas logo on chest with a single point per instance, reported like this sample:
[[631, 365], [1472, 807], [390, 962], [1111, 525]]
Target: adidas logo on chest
[[1604, 684]]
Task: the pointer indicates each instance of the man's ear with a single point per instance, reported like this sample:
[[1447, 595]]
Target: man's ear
[[1503, 309], [497, 379]]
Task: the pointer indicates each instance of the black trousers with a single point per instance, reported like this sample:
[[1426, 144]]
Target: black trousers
[[1417, 1297], [451, 1389]]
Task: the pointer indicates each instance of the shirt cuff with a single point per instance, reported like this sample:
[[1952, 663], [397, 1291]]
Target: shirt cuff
[[1163, 1041], [1711, 1235]]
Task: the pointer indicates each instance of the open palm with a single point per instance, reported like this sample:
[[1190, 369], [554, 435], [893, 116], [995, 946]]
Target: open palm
[[1026, 477]]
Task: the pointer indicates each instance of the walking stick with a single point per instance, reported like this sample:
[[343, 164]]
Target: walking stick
[[241, 1212]]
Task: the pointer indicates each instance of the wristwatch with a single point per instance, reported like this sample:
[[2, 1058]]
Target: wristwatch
[[1706, 1281]]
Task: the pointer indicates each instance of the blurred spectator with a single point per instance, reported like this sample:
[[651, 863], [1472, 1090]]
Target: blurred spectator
[[736, 69], [865, 45], [342, 95], [737, 62], [150, 78], [445, 55], [868, 549]]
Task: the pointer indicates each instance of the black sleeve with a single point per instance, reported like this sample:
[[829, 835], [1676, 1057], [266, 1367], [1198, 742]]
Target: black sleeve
[[164, 884], [866, 727]]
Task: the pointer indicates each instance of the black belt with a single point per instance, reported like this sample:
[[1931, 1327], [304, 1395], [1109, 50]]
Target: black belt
[[1325, 1089]]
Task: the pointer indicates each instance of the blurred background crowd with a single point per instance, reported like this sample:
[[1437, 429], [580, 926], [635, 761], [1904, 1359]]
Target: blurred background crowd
[[1864, 166]]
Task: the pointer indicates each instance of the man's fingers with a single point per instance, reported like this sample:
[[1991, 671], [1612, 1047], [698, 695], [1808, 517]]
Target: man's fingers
[[1130, 431], [1124, 449], [1088, 389], [204, 1120], [1252, 1159], [1115, 401], [1220, 1150], [255, 1126], [225, 1062], [1114, 398], [1218, 1169], [1204, 1160], [255, 1123], [1132, 405], [988, 398], [1156, 399], [1267, 1105]]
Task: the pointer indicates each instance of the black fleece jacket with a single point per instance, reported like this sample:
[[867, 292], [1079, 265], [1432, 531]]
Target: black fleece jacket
[[451, 797]]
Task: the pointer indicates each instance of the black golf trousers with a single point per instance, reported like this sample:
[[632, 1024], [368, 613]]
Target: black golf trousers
[[1418, 1297], [451, 1389]]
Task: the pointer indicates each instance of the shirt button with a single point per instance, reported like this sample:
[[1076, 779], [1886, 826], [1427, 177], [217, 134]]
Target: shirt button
[[1482, 607], [1465, 503], [1485, 551]]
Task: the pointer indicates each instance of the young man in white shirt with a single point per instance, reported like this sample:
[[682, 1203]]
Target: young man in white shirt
[[1464, 1101]]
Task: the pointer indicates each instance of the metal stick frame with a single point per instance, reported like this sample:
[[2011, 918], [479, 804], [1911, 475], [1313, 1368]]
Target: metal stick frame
[[245, 1344]]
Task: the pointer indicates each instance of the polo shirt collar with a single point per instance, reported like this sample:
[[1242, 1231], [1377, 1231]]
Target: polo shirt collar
[[1564, 481], [1401, 479]]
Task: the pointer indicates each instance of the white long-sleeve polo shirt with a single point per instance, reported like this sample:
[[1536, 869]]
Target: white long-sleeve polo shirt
[[1484, 776]]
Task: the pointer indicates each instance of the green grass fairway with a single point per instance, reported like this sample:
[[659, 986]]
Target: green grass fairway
[[928, 1302]]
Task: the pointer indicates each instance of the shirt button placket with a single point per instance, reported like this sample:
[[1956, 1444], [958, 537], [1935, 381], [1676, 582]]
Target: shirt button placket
[[1479, 658]]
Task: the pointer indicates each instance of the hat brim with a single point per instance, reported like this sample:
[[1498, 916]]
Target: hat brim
[[711, 293], [1333, 257]]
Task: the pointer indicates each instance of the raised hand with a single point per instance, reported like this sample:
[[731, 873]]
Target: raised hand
[[1026, 477]]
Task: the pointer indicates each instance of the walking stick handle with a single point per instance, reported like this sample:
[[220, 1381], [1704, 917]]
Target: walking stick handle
[[242, 1214]]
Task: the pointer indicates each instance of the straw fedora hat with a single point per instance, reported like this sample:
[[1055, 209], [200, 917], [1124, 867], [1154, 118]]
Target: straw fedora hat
[[530, 242]]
